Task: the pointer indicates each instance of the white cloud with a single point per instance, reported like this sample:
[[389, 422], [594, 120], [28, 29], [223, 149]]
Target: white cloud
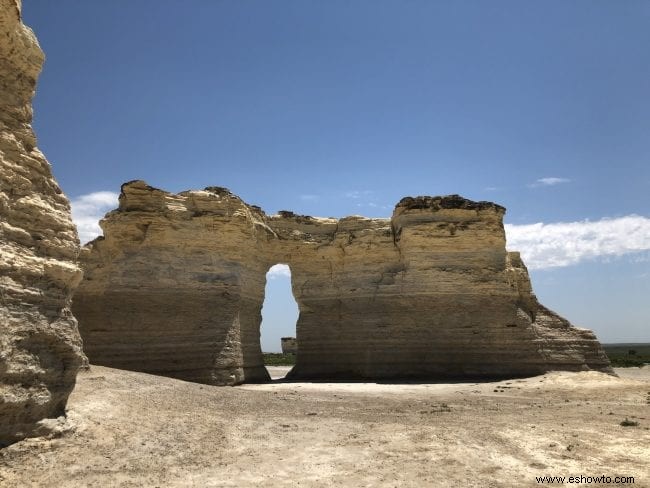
[[368, 199], [548, 181], [356, 194], [566, 243], [278, 271], [88, 209], [374, 205], [309, 198]]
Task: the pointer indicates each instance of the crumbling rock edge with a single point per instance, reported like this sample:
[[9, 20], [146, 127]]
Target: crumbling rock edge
[[40, 347]]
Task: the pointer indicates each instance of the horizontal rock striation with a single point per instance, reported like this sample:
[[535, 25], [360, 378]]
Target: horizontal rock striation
[[175, 287], [40, 347], [289, 345]]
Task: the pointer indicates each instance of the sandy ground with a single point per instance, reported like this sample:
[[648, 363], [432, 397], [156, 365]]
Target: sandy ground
[[136, 430]]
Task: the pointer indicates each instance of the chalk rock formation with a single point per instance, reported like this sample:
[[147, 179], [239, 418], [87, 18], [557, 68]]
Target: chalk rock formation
[[289, 345], [175, 287], [40, 347]]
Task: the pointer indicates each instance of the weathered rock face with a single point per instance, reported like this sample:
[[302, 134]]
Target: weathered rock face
[[289, 345], [40, 347], [176, 286]]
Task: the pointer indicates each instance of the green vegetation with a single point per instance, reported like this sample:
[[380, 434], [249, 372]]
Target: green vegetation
[[620, 355], [278, 359], [628, 355]]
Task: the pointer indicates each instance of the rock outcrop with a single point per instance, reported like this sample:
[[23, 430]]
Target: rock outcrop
[[40, 347], [289, 345], [175, 287]]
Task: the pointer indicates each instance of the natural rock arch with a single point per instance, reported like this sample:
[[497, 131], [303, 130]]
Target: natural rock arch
[[175, 287]]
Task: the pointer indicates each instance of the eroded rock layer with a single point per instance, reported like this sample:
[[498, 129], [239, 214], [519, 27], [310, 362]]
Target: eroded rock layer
[[175, 287], [40, 347]]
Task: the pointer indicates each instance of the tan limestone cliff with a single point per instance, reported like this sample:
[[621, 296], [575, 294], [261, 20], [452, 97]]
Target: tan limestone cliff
[[175, 287], [40, 348]]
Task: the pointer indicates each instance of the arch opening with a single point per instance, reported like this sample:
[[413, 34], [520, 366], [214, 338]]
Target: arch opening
[[279, 318]]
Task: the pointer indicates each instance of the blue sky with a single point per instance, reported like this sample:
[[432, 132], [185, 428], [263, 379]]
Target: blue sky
[[344, 107]]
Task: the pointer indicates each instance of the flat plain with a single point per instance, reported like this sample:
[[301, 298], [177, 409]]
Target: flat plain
[[132, 429]]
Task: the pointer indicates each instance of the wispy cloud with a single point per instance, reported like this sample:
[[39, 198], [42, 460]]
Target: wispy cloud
[[309, 198], [356, 194], [368, 198], [278, 271], [88, 209], [373, 205], [566, 243], [548, 181]]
